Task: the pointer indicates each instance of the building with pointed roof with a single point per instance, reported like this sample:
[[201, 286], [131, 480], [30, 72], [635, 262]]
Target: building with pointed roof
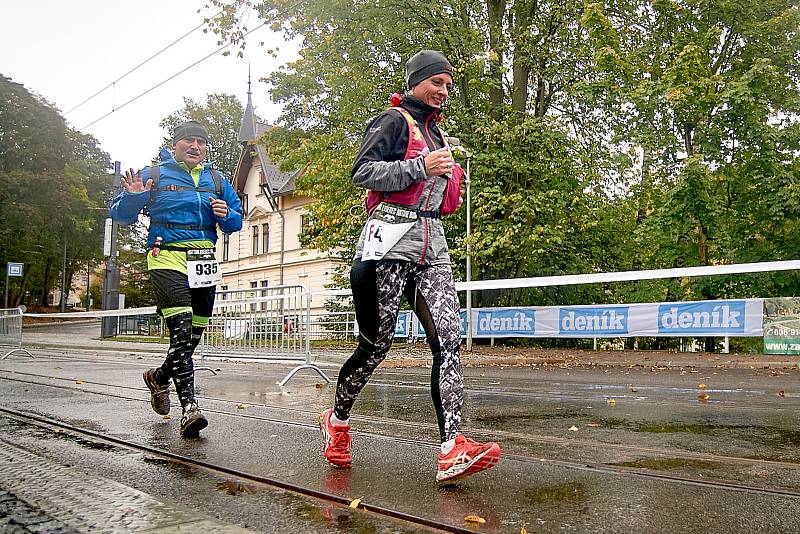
[[267, 252]]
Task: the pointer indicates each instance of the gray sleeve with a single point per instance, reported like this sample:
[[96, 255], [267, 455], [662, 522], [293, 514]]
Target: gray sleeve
[[390, 175], [379, 164]]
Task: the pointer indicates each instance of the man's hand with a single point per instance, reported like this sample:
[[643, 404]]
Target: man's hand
[[132, 182], [219, 207], [438, 162]]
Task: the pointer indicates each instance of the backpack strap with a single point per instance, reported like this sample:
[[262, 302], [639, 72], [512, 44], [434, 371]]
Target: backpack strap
[[155, 170], [217, 177], [155, 189], [414, 133]]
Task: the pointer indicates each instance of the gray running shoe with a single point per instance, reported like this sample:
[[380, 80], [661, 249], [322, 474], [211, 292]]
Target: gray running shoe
[[159, 395], [193, 421]]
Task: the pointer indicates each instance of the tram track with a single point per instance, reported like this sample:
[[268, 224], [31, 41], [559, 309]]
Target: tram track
[[217, 469], [602, 468]]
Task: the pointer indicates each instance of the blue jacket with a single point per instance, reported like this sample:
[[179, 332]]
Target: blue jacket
[[185, 207]]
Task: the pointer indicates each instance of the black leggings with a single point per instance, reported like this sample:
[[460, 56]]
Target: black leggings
[[377, 290], [186, 311]]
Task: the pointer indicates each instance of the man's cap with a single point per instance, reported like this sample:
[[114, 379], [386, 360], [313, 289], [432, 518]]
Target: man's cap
[[424, 64], [189, 129]]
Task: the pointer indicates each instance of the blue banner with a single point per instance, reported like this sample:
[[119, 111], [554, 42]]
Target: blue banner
[[697, 318], [589, 322], [403, 326], [506, 322]]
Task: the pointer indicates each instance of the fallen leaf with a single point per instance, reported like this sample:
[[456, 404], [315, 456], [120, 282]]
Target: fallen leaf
[[354, 503], [633, 389], [781, 393], [523, 531], [573, 428], [703, 397], [319, 385], [701, 386], [166, 416], [475, 519], [242, 405], [612, 402], [79, 381]]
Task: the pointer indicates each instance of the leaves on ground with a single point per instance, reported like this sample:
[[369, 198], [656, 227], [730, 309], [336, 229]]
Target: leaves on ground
[[475, 519]]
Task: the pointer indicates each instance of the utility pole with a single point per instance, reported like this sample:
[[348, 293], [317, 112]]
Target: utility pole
[[111, 277]]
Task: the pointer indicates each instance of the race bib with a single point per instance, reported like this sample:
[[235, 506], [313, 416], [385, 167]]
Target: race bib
[[381, 236], [202, 268]]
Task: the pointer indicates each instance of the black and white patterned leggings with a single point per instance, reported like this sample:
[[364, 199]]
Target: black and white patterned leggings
[[377, 290]]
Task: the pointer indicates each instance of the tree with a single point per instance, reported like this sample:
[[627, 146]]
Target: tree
[[608, 136], [52, 188], [221, 114]]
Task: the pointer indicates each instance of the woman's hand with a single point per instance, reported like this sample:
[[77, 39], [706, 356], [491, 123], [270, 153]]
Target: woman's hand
[[438, 162]]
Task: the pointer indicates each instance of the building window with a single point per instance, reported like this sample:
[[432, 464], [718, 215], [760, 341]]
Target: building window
[[226, 247], [264, 285], [253, 285], [264, 238], [255, 240]]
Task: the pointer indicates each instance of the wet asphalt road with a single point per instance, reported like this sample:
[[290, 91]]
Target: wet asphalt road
[[586, 449]]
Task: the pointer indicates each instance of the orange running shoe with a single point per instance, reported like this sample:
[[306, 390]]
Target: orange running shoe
[[336, 441], [467, 458]]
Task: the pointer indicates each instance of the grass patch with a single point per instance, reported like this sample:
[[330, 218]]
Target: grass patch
[[569, 492], [671, 464]]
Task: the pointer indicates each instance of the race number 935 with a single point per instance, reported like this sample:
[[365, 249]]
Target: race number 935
[[205, 269]]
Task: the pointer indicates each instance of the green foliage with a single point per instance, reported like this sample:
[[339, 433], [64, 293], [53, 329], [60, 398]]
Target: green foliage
[[607, 136], [53, 184]]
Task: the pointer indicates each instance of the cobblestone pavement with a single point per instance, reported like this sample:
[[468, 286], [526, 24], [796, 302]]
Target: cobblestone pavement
[[17, 517]]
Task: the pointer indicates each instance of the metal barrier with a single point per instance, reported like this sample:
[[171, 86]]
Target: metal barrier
[[269, 323], [11, 331]]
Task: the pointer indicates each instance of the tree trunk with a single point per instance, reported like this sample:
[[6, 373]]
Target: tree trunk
[[496, 11], [523, 10], [45, 283]]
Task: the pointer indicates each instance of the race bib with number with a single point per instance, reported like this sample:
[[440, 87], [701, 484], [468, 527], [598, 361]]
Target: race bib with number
[[202, 268], [381, 236]]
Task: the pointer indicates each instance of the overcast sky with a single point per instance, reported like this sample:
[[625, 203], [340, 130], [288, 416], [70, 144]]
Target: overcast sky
[[68, 50]]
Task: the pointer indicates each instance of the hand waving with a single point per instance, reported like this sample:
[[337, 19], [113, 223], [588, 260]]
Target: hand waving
[[132, 182]]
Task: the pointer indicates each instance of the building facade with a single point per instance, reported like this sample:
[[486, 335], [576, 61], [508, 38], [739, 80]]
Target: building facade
[[267, 252]]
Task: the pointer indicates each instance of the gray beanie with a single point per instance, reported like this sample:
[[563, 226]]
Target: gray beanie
[[425, 64], [189, 129]]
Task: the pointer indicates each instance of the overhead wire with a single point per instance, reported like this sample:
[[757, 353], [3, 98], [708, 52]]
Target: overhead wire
[[179, 39], [137, 97]]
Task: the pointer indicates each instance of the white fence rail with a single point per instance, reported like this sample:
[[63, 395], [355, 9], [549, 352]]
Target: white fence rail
[[271, 323], [11, 331]]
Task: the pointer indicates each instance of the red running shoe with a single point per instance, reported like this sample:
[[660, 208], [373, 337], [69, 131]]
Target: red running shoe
[[336, 441], [467, 458]]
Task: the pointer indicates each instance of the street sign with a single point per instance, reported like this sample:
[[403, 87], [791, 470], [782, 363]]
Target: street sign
[[107, 237], [15, 269]]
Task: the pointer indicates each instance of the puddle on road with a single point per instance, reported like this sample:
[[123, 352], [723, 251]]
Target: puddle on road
[[341, 519], [233, 487], [34, 431]]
